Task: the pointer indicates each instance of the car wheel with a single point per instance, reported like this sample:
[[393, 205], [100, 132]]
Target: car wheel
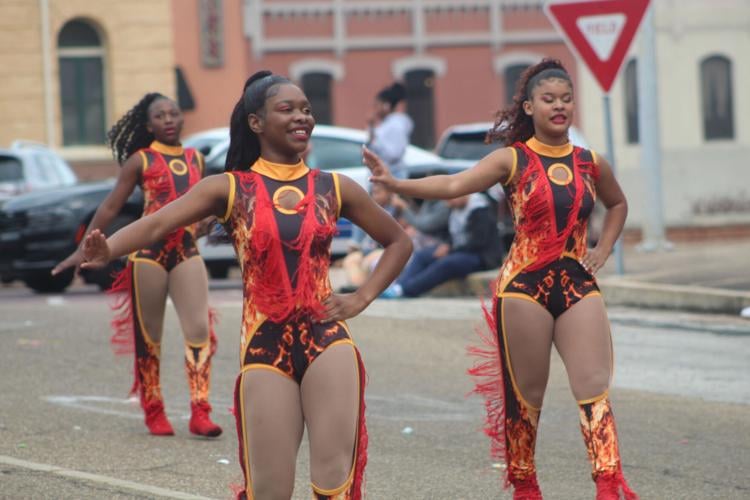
[[44, 282], [218, 271]]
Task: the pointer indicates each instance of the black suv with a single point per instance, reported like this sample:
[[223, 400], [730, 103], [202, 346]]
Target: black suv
[[39, 229]]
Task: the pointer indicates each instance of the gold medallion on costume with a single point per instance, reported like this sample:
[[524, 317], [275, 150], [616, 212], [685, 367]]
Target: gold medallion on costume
[[290, 193], [560, 174], [178, 167]]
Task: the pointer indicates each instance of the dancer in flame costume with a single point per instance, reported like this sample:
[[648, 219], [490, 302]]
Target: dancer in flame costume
[[299, 365], [546, 293], [146, 141]]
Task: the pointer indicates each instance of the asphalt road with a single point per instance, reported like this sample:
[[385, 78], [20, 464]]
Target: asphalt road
[[68, 431]]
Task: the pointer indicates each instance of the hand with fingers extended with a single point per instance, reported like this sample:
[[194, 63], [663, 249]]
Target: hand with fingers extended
[[594, 259], [381, 174], [340, 307], [73, 260], [96, 253]]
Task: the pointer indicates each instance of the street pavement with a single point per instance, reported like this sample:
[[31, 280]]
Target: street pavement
[[68, 431]]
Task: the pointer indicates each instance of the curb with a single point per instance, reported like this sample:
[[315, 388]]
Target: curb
[[619, 291], [623, 292]]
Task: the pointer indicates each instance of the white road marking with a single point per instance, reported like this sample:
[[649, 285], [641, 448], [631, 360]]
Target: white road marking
[[96, 478]]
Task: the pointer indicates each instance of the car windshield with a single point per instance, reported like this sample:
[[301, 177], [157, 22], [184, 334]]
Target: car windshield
[[466, 146], [11, 169]]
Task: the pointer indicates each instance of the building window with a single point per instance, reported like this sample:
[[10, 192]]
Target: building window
[[420, 106], [512, 74], [81, 63], [716, 93], [631, 101], [317, 87]]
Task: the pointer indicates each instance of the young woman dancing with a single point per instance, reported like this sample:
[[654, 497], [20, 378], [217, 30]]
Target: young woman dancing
[[299, 365], [546, 293], [146, 142]]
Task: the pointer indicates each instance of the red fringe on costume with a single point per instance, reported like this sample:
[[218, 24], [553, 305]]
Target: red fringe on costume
[[272, 290], [487, 373], [539, 212], [360, 457]]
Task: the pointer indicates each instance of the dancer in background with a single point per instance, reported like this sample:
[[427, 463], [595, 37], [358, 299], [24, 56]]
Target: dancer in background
[[146, 142]]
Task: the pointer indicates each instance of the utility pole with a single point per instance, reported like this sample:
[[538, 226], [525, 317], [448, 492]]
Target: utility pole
[[654, 237]]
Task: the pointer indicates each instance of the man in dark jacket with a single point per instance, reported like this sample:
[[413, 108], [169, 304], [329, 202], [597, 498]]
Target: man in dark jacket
[[474, 245]]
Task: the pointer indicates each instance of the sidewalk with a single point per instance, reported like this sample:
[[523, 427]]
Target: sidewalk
[[703, 276]]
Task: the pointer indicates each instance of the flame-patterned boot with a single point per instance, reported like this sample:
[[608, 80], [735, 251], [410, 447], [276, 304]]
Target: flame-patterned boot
[[600, 436], [198, 370]]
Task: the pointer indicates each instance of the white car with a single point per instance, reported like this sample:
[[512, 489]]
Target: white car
[[466, 141], [334, 149], [29, 166]]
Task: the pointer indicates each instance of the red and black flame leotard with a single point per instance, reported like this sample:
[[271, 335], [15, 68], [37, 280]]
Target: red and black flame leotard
[[284, 254], [551, 191], [168, 173]]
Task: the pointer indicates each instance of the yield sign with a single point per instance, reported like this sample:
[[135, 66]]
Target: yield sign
[[599, 31]]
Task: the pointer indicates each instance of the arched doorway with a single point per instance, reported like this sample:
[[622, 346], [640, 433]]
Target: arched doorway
[[81, 65]]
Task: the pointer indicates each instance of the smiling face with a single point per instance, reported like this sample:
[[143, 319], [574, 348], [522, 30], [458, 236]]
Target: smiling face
[[551, 109], [284, 124], [165, 121]]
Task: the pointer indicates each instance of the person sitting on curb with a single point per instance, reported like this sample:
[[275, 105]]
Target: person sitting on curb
[[474, 246]]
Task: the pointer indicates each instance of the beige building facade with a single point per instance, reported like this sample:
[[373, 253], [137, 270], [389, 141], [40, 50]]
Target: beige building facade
[[71, 67], [703, 71]]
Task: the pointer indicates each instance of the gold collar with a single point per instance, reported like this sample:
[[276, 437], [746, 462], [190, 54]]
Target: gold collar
[[166, 149], [547, 150], [280, 171]]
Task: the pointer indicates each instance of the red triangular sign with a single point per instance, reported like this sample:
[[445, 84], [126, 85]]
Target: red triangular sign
[[599, 31]]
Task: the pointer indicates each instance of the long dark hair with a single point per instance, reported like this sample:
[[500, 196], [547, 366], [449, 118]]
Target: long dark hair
[[512, 124], [130, 134], [244, 146]]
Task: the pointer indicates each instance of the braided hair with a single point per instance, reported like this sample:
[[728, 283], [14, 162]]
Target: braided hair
[[512, 124], [130, 133], [244, 146]]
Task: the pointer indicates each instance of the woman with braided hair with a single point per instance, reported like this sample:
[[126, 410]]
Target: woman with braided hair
[[546, 293], [146, 142], [299, 365]]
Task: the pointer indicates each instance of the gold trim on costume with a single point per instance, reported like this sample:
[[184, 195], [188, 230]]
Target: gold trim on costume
[[230, 199], [144, 164], [594, 399], [594, 157], [337, 188], [277, 196], [201, 165], [543, 149], [513, 168], [146, 335], [556, 167], [349, 479], [510, 365], [177, 166], [280, 171], [166, 149]]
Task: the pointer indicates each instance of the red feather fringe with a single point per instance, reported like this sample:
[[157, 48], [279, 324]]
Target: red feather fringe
[[539, 212], [360, 459], [487, 373], [272, 290], [121, 303]]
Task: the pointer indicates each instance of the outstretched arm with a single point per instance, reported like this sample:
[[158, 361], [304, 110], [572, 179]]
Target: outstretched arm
[[493, 168], [208, 197], [358, 207], [110, 207], [613, 198]]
